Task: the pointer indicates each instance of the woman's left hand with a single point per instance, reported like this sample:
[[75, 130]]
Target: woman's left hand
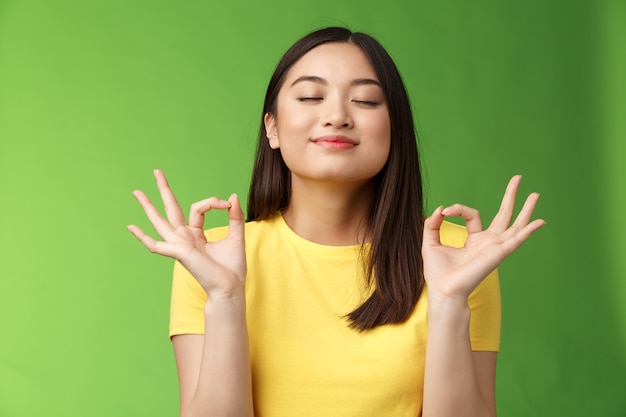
[[453, 273]]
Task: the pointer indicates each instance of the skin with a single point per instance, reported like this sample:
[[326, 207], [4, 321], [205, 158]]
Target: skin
[[331, 190], [458, 381], [331, 91]]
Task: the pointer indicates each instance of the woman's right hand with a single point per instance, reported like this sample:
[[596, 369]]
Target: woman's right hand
[[219, 267]]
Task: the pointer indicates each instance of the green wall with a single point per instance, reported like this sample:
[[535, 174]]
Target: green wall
[[94, 95]]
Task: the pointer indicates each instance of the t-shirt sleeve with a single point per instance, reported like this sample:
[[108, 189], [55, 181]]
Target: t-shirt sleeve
[[188, 296], [187, 304], [485, 301], [486, 314]]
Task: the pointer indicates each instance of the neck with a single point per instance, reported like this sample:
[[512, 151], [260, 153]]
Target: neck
[[329, 213]]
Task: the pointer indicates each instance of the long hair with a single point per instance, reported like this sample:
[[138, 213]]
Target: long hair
[[393, 264]]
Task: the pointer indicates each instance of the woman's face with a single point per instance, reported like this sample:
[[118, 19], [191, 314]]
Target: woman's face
[[331, 121]]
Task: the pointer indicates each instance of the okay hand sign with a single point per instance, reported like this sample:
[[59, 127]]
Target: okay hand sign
[[455, 272], [219, 267]]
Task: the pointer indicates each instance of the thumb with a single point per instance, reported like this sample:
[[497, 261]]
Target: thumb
[[432, 225], [235, 218]]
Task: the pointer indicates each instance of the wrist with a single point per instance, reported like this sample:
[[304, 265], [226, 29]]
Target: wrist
[[226, 293], [222, 302], [444, 306]]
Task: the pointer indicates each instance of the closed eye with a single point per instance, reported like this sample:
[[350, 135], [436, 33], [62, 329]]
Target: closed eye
[[369, 103], [305, 99]]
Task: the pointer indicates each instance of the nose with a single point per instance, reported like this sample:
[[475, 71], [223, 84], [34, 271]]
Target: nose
[[336, 114]]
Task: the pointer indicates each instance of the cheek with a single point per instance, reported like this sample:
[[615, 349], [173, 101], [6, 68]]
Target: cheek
[[291, 117], [379, 127], [385, 124]]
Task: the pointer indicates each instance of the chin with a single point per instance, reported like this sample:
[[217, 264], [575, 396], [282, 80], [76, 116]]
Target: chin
[[343, 178]]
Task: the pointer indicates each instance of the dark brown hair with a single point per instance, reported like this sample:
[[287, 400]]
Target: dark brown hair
[[393, 265]]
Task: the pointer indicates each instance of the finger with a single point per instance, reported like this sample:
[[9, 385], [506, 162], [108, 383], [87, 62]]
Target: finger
[[503, 217], [432, 225], [152, 245], [236, 220], [523, 218], [198, 209], [172, 208], [162, 227], [515, 241], [471, 216], [527, 210]]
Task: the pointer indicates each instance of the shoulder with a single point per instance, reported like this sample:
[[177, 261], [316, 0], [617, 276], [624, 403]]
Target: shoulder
[[216, 233], [452, 234], [252, 229]]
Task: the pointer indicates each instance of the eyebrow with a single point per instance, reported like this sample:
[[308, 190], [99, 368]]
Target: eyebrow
[[320, 80]]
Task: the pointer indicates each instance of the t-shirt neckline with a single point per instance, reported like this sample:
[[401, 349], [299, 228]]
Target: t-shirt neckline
[[302, 243]]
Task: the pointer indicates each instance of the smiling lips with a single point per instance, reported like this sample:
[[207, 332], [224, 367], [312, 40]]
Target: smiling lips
[[335, 142]]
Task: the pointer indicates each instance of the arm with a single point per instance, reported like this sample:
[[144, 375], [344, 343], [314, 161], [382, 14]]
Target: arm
[[214, 369], [457, 381]]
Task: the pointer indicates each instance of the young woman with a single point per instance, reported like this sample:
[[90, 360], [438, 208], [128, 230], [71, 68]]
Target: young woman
[[336, 297]]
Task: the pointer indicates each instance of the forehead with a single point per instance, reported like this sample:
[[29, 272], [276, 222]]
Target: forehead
[[335, 62]]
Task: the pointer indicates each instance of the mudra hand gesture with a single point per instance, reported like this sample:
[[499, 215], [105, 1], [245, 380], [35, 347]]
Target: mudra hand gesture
[[219, 267], [454, 273]]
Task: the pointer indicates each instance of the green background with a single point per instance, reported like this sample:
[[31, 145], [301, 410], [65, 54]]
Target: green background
[[95, 94]]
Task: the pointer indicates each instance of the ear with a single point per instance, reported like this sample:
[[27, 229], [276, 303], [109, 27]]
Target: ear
[[270, 130]]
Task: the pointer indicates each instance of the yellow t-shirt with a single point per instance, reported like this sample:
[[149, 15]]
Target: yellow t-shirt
[[305, 359]]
